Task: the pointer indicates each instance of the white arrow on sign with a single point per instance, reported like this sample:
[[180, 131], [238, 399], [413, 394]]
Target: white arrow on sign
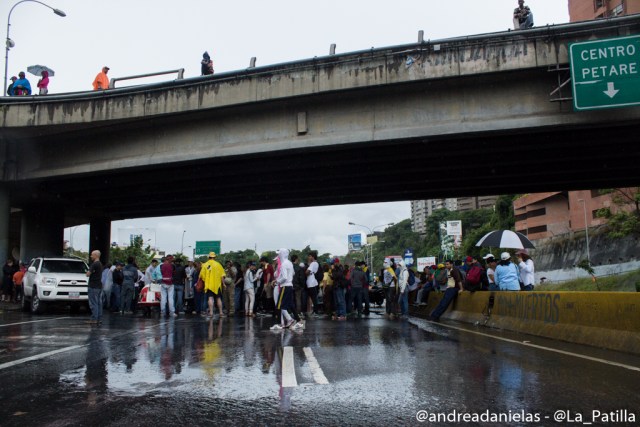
[[611, 90]]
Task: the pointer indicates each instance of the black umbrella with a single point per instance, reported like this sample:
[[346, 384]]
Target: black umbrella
[[505, 239]]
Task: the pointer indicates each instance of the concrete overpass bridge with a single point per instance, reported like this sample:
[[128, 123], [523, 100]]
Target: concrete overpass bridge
[[474, 115]]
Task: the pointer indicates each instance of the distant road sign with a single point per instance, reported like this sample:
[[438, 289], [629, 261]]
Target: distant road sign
[[203, 248], [605, 73]]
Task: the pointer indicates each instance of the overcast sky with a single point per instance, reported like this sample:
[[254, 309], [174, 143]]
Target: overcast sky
[[142, 36]]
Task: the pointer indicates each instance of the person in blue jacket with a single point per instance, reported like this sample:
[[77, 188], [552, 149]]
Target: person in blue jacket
[[21, 87]]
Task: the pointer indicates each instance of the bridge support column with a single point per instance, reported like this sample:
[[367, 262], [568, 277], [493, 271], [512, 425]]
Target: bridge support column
[[5, 216], [42, 232], [100, 237]]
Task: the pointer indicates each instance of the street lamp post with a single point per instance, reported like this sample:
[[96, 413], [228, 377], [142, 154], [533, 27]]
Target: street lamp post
[[9, 43], [586, 228], [182, 243], [371, 230]]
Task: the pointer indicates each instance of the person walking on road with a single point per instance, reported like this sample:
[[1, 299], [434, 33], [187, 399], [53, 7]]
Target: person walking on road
[[284, 280], [101, 82], [95, 288]]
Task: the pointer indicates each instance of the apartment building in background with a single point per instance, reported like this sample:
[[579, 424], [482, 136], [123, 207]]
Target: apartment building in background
[[543, 215], [422, 209], [585, 10]]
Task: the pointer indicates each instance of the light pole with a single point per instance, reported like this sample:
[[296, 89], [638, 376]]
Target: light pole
[[9, 43], [586, 228], [371, 232], [73, 230], [182, 243]]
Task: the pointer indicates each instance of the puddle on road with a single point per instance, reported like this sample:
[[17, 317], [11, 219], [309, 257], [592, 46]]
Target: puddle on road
[[181, 358]]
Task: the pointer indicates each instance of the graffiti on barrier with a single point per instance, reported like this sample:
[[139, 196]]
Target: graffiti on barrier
[[529, 306]]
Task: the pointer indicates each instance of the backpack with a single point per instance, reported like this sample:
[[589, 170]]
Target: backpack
[[474, 275], [441, 276], [412, 278], [319, 275]]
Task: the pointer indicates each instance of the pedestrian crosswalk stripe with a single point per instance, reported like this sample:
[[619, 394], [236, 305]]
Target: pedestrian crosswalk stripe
[[316, 370], [288, 369]]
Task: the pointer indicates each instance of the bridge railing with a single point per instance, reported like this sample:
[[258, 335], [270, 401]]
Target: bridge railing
[[180, 71]]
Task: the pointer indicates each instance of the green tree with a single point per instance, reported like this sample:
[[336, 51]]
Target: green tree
[[626, 218], [143, 255]]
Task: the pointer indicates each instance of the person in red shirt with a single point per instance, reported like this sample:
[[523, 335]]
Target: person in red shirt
[[17, 282]]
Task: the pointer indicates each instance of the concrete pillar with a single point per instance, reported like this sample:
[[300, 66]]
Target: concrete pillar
[[42, 232], [100, 237], [5, 216]]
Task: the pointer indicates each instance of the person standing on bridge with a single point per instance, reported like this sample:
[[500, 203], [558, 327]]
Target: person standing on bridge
[[206, 65], [101, 82], [522, 16]]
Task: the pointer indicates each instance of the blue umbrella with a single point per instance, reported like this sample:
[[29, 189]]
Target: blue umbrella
[[37, 70]]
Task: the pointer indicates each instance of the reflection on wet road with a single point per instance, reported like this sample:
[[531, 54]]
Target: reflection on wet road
[[361, 372]]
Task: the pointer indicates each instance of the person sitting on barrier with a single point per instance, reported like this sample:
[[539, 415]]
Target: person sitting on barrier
[[490, 272], [525, 263], [507, 274], [454, 287], [441, 275], [522, 16], [101, 82], [426, 285]]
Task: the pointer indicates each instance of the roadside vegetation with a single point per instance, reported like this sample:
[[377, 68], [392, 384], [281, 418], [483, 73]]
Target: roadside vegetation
[[628, 282]]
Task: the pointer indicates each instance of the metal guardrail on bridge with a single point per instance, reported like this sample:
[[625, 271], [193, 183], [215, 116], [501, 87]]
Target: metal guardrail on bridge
[[180, 71]]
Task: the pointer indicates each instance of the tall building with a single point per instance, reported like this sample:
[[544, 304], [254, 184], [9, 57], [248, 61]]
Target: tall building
[[422, 209], [585, 10]]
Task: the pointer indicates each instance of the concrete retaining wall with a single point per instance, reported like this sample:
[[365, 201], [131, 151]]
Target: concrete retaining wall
[[602, 319]]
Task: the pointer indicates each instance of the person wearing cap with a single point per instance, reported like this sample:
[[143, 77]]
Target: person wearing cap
[[440, 276], [507, 274], [454, 287], [101, 82], [527, 269], [10, 88], [212, 273], [491, 264], [21, 87]]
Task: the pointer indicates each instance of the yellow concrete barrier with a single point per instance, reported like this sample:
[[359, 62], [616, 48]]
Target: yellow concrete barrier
[[601, 319]]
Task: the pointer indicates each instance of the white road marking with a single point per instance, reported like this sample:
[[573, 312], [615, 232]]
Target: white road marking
[[288, 369], [35, 321], [554, 350], [75, 347], [316, 370], [39, 356]]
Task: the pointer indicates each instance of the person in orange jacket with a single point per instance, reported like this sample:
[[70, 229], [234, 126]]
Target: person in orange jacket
[[101, 82]]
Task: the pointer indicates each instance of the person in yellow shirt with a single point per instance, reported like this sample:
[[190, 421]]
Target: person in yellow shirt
[[101, 82], [212, 274]]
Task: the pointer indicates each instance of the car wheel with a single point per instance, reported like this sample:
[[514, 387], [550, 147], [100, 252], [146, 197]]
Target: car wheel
[[37, 306]]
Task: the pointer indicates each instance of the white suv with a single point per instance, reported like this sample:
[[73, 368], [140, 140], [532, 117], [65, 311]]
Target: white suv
[[55, 280]]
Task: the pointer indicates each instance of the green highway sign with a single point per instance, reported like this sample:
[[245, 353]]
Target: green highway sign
[[605, 73], [203, 248]]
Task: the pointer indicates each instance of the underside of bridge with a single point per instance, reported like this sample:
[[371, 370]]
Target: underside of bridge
[[394, 170]]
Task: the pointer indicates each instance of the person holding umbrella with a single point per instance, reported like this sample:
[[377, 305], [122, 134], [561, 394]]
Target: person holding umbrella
[[43, 83], [525, 263]]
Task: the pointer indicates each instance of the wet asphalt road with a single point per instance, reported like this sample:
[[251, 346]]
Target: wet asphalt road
[[55, 370]]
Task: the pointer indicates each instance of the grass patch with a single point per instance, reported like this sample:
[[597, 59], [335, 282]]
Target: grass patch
[[628, 282]]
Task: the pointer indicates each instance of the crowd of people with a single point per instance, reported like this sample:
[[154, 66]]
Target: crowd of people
[[291, 290]]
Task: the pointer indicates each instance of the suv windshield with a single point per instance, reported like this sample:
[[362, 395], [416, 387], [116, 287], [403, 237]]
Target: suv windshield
[[64, 266]]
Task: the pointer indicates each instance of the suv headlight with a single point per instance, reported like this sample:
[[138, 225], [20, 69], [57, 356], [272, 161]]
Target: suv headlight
[[49, 281]]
